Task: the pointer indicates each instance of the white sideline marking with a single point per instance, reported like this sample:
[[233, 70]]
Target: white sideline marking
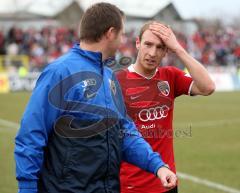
[[207, 183], [9, 124], [209, 123]]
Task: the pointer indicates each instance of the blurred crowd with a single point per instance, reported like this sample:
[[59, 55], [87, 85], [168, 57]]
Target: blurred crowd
[[42, 46], [218, 48]]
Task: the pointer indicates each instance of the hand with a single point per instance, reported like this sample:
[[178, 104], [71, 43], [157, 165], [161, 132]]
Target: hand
[[166, 35], [167, 177]]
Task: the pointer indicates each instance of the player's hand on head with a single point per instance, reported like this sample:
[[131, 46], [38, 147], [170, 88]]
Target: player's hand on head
[[166, 34], [167, 177]]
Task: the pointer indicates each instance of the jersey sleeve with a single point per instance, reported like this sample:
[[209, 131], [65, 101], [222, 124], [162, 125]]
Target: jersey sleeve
[[182, 82]]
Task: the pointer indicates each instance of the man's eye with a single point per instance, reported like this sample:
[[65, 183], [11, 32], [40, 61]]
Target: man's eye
[[147, 44], [161, 47]]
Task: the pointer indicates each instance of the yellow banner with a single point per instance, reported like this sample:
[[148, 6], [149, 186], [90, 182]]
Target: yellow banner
[[4, 83]]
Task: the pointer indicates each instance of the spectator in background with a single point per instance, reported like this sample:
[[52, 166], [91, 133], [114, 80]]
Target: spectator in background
[[218, 48], [12, 49], [2, 43]]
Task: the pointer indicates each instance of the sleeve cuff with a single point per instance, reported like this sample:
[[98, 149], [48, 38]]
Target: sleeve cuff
[[27, 190], [165, 165], [155, 165], [27, 185], [190, 88]]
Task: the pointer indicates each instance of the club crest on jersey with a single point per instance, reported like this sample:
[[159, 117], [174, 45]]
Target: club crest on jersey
[[163, 87], [112, 86]]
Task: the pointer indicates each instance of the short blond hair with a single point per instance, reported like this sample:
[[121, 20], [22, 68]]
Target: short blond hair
[[144, 28]]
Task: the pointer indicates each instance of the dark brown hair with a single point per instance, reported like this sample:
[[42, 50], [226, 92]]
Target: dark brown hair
[[97, 20]]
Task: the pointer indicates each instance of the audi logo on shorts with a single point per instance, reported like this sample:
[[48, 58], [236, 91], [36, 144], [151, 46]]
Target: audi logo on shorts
[[153, 113]]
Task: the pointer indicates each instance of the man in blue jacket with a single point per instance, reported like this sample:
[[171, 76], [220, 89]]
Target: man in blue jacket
[[75, 131]]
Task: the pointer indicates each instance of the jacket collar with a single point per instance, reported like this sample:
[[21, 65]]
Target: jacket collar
[[95, 57]]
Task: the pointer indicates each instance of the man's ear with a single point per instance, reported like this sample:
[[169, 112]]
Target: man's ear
[[111, 33], [138, 42]]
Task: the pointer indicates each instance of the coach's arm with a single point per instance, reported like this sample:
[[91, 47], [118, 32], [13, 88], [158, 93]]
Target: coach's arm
[[33, 134]]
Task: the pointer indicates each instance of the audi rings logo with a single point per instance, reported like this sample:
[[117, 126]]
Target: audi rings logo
[[153, 113]]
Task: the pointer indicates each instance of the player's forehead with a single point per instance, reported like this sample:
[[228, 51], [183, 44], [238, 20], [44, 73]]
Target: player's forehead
[[148, 36]]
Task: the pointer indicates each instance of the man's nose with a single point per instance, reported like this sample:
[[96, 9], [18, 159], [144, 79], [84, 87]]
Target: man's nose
[[153, 51]]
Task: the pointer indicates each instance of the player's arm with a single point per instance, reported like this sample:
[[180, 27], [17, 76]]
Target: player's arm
[[32, 136], [202, 83], [138, 152]]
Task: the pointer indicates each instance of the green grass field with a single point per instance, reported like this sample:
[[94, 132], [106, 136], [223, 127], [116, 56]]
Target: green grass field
[[212, 152]]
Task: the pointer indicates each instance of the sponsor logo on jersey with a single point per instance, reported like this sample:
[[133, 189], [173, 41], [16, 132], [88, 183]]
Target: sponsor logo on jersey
[[89, 82], [88, 85], [152, 126], [153, 113], [134, 97]]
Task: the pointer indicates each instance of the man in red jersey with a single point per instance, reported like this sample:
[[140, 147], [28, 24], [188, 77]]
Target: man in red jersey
[[149, 92]]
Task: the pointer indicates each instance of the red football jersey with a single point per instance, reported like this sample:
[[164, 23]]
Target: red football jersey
[[150, 103]]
